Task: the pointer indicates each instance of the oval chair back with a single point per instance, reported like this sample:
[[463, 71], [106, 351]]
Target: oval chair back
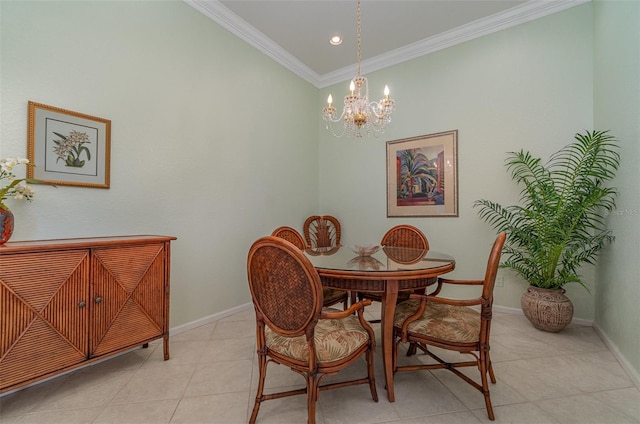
[[291, 235], [405, 236], [330, 296]]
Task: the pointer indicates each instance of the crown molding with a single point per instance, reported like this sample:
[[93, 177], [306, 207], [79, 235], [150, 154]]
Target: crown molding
[[526, 12], [239, 27]]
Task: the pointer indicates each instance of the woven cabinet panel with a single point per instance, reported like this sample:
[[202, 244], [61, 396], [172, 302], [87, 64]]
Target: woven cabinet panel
[[46, 351], [128, 265], [129, 283], [16, 316], [36, 277], [149, 293], [40, 299]]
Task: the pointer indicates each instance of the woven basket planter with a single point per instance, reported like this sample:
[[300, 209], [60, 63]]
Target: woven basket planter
[[547, 309]]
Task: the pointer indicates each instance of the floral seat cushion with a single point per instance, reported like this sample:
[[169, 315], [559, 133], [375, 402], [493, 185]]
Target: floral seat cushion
[[445, 322], [334, 339]]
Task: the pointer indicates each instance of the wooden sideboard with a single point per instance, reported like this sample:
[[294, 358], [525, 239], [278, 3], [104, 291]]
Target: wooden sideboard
[[65, 303]]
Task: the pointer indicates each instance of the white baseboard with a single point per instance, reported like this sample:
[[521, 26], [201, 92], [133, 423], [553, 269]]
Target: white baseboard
[[631, 372], [208, 319], [517, 311], [507, 310]]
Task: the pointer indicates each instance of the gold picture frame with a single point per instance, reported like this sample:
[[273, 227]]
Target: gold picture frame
[[68, 148], [422, 176]]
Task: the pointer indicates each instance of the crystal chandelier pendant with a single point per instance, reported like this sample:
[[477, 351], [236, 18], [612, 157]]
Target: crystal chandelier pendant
[[359, 115]]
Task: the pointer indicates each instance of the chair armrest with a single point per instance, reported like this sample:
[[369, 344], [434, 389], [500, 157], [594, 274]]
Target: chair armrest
[[343, 314], [435, 291], [448, 301], [423, 304], [466, 282], [356, 307]]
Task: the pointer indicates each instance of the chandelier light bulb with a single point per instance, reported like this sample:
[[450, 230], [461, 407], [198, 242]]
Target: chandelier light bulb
[[329, 100]]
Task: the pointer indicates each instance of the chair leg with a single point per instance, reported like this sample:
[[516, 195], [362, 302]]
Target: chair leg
[[312, 397], [262, 365], [485, 384], [487, 398], [490, 368], [394, 351], [371, 375], [412, 349]]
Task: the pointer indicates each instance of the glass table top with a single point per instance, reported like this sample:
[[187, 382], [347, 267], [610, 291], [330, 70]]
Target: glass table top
[[387, 258]]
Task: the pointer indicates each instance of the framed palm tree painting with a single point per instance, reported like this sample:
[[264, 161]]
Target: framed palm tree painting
[[422, 176]]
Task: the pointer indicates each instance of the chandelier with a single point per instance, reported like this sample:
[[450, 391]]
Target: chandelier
[[359, 114]]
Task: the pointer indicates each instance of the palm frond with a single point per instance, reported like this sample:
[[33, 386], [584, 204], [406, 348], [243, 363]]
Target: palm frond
[[561, 220]]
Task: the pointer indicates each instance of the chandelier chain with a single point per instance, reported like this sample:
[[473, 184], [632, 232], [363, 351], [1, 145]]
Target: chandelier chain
[[358, 38]]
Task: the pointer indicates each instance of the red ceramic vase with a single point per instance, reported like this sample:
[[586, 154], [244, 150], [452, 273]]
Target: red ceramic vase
[[6, 225]]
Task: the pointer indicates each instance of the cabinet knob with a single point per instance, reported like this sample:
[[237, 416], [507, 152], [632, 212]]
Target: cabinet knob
[[98, 299], [82, 304]]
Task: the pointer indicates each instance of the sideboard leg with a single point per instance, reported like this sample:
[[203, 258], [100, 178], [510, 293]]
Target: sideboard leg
[[166, 347], [146, 345]]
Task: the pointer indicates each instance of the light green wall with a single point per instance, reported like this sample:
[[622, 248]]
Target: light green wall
[[529, 87], [204, 146], [617, 99]]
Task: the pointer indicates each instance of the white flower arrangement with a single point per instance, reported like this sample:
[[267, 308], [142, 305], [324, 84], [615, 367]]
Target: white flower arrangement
[[10, 186]]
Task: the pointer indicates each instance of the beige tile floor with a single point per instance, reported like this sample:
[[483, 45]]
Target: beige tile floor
[[570, 377]]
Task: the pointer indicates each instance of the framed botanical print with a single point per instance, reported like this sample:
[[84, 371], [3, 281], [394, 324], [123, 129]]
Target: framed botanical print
[[68, 148]]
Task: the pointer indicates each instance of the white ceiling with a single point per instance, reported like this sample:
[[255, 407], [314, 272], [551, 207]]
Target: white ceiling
[[296, 33]]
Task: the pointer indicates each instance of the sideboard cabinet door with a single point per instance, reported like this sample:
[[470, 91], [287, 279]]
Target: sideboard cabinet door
[[43, 313], [127, 291]]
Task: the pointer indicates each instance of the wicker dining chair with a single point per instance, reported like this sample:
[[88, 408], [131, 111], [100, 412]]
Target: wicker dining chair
[[322, 231], [294, 330], [405, 236], [400, 236], [291, 235], [452, 324], [330, 296]]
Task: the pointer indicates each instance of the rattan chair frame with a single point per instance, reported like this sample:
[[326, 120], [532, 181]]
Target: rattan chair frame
[[405, 236], [330, 296], [402, 235], [322, 231], [479, 350], [291, 235], [287, 297]]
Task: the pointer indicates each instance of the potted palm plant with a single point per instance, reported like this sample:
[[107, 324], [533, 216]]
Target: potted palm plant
[[560, 223]]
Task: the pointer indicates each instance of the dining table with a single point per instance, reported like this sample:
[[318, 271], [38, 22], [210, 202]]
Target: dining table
[[386, 271]]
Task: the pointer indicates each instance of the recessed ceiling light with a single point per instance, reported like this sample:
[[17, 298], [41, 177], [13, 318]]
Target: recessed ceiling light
[[336, 40]]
